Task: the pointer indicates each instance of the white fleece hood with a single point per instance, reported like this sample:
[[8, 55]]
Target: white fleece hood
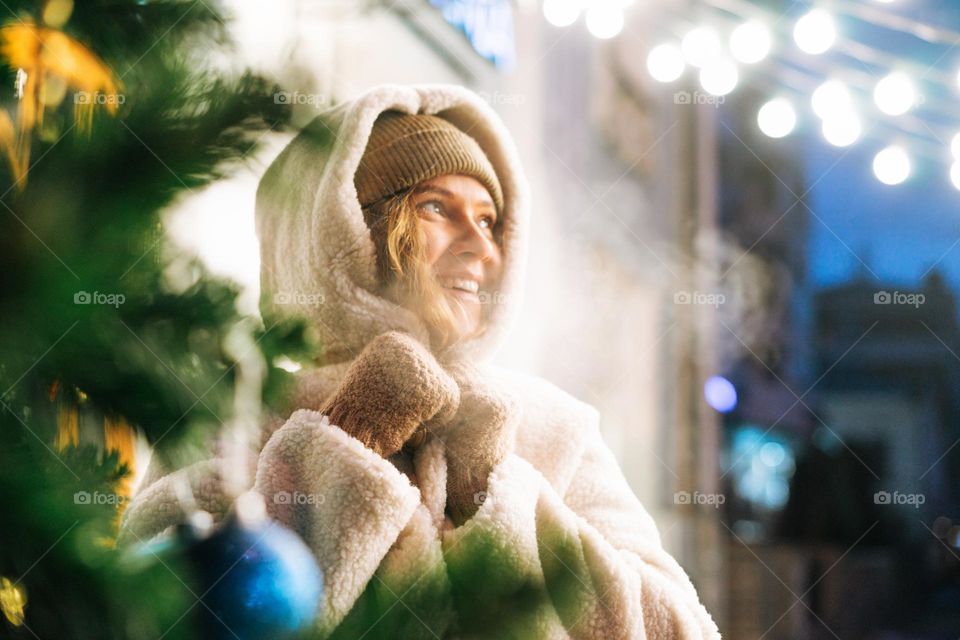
[[317, 255]]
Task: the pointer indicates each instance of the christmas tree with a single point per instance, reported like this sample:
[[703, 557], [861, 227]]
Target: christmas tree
[[114, 109]]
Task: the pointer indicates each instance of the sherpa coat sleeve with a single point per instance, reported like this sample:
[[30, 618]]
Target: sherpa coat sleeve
[[590, 544], [347, 502]]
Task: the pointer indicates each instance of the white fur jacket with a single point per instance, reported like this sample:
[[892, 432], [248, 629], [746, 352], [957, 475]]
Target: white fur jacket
[[560, 547]]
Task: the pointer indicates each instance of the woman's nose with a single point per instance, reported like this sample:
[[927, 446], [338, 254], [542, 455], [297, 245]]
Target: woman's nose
[[473, 238]]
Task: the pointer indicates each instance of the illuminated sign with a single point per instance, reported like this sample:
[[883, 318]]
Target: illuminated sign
[[488, 25]]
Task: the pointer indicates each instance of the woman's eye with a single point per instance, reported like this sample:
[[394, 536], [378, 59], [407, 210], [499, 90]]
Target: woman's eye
[[431, 206], [490, 221]]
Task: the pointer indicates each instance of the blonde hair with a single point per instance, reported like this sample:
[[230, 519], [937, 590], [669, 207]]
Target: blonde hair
[[402, 265]]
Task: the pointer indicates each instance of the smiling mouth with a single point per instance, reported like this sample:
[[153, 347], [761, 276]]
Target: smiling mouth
[[461, 285]]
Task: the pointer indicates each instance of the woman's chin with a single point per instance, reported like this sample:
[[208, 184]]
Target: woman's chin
[[465, 329], [466, 318]]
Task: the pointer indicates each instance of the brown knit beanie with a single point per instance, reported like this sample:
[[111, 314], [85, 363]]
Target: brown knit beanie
[[406, 149]]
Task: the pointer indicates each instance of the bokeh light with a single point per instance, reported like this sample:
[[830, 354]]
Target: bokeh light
[[750, 42], [842, 129], [895, 94], [777, 118], [561, 13], [892, 165], [665, 63], [830, 98], [720, 394], [719, 77], [815, 32], [604, 21], [700, 46]]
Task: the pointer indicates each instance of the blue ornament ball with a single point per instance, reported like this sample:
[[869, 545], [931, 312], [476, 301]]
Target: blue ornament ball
[[258, 579]]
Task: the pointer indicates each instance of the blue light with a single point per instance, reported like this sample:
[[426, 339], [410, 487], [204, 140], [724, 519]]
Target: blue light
[[488, 25], [720, 394], [761, 465]]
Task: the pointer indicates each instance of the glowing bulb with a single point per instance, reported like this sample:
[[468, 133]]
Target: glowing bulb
[[604, 21], [895, 94], [700, 46], [561, 13], [955, 174], [815, 32], [777, 118], [842, 129], [665, 63], [831, 97], [892, 165], [750, 42], [720, 394], [719, 77]]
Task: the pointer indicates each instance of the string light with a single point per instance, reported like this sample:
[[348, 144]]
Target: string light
[[561, 13], [895, 94], [892, 165], [700, 46], [604, 21], [842, 129], [777, 118], [665, 62], [815, 32], [750, 42], [719, 77], [830, 98]]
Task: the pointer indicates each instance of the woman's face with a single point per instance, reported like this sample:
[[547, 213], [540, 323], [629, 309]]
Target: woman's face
[[457, 216]]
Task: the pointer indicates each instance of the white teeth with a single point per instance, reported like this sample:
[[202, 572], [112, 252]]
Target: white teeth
[[471, 286]]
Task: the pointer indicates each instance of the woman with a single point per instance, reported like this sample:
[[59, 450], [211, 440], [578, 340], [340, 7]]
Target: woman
[[443, 496]]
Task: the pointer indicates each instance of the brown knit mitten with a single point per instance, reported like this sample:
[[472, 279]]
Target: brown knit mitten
[[390, 389], [479, 437]]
